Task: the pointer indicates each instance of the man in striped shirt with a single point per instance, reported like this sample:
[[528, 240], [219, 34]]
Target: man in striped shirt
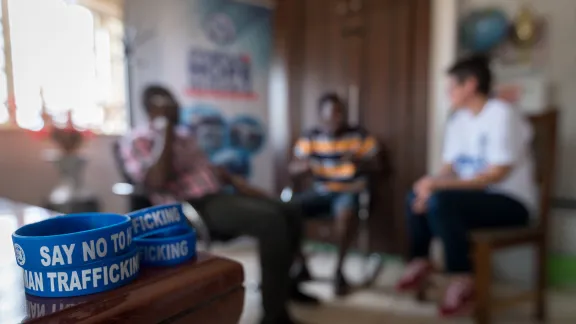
[[336, 154], [167, 161]]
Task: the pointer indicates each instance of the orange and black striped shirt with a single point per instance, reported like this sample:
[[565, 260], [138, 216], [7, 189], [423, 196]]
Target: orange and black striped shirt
[[330, 157]]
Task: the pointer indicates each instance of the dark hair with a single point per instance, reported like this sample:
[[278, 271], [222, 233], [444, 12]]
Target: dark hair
[[330, 98], [155, 90], [477, 67]]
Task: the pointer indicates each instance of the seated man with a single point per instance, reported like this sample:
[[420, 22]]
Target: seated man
[[172, 167], [486, 181], [336, 154]]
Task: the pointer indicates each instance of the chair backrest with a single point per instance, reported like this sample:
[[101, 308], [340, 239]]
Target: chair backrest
[[544, 151], [120, 162]]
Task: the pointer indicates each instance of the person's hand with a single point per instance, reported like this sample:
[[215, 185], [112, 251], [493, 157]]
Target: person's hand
[[424, 187], [160, 123], [419, 206]]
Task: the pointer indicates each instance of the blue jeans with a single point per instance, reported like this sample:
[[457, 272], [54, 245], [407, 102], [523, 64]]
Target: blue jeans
[[451, 215], [326, 204]]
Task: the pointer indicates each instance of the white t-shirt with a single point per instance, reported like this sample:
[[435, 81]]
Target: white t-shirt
[[498, 135]]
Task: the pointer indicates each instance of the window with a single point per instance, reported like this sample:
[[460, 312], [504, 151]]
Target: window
[[65, 57], [4, 115]]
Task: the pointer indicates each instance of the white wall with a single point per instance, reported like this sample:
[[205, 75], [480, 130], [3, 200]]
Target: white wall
[[443, 49]]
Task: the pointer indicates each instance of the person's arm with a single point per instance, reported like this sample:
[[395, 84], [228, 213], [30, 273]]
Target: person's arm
[[366, 159], [502, 153], [450, 151], [446, 172], [300, 163], [149, 158], [241, 185], [494, 174], [161, 169]]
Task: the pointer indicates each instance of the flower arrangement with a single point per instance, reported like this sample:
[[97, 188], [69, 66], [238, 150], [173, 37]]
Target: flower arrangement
[[68, 137]]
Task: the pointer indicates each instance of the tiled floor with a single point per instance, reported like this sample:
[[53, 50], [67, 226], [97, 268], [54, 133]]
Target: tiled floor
[[372, 306]]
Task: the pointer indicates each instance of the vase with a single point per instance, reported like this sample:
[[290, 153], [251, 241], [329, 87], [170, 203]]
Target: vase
[[70, 188]]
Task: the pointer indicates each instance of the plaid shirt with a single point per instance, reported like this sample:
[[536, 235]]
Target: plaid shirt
[[194, 175]]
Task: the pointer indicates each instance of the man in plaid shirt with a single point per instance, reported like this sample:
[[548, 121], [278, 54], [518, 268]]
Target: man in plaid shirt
[[170, 165]]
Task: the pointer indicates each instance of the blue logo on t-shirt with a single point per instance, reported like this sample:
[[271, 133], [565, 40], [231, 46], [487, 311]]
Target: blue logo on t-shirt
[[466, 165]]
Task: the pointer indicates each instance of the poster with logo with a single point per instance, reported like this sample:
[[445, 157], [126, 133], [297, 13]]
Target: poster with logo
[[215, 55]]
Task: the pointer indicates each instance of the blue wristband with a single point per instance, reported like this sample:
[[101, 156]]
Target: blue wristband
[[168, 246], [83, 280], [71, 240], [154, 218]]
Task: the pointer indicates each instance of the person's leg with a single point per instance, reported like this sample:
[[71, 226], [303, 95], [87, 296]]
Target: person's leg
[[240, 215], [309, 204], [420, 237], [345, 210], [292, 213], [452, 214], [420, 234]]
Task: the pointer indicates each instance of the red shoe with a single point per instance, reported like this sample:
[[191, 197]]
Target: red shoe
[[458, 299], [414, 276]]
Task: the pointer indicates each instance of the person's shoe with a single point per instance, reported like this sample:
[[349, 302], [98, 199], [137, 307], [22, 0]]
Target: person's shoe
[[415, 274], [297, 296], [341, 286], [457, 299]]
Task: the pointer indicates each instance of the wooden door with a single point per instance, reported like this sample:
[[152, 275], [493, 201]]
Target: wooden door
[[394, 103], [373, 53]]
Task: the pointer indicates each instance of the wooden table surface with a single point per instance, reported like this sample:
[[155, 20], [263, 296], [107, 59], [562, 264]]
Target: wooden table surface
[[208, 289]]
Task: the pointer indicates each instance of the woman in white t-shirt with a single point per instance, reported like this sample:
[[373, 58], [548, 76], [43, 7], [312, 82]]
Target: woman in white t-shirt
[[486, 181]]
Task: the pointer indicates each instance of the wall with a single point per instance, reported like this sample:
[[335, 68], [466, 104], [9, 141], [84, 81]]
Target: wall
[[443, 53], [25, 177]]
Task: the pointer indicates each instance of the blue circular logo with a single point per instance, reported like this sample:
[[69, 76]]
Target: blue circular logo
[[247, 133], [220, 29], [20, 256], [208, 126]]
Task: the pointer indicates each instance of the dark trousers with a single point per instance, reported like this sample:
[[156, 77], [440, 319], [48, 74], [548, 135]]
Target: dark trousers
[[278, 228], [451, 215]]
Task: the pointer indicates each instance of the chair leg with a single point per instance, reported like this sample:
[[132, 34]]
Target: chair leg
[[541, 285], [483, 282]]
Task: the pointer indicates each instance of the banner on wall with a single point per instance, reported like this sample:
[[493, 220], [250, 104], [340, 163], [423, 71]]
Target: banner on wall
[[227, 71]]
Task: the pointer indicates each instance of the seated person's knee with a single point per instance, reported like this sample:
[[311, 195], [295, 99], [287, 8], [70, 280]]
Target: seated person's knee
[[438, 202], [345, 205], [410, 198]]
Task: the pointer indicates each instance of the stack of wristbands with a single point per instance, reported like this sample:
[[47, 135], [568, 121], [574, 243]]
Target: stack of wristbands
[[76, 254], [163, 235]]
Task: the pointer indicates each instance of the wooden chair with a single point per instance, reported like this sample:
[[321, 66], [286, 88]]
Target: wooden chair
[[487, 242], [320, 228]]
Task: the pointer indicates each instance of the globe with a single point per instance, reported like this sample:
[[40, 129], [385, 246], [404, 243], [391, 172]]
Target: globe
[[483, 30]]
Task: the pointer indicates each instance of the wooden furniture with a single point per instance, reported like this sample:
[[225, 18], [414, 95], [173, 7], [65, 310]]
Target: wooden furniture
[[208, 289], [488, 242], [373, 53]]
